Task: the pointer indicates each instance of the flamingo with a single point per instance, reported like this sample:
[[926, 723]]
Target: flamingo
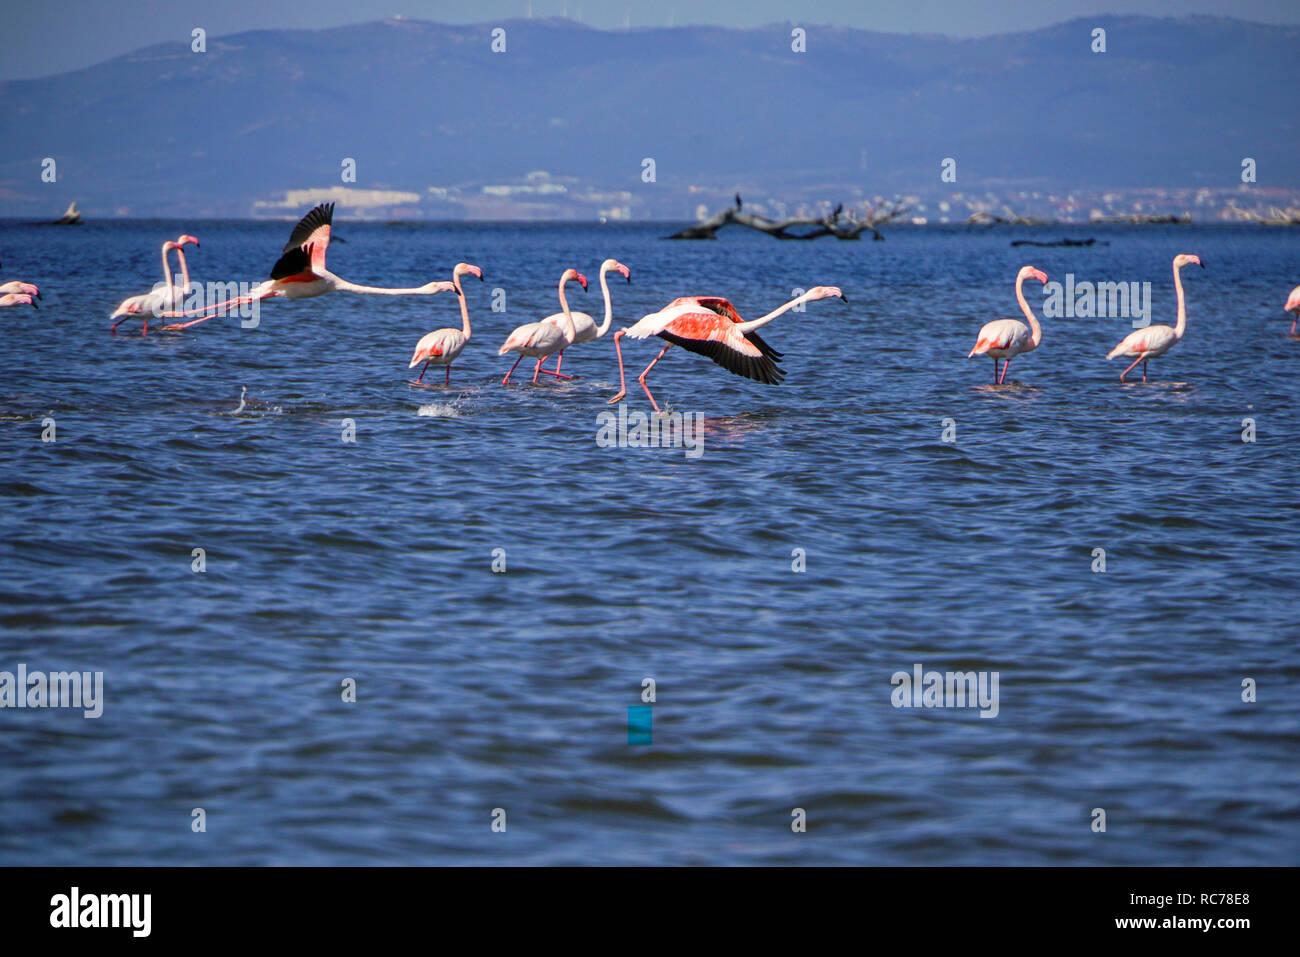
[[588, 331], [711, 326], [442, 346], [1005, 338], [20, 289], [161, 298], [1154, 341], [1292, 306], [542, 339], [300, 272], [10, 291]]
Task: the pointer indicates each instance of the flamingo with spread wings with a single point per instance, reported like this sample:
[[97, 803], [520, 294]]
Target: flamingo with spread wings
[[711, 326], [442, 346], [300, 273], [1007, 338]]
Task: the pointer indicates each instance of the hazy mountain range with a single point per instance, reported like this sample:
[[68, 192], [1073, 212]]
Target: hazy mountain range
[[441, 125]]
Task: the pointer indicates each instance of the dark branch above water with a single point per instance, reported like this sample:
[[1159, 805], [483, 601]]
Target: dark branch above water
[[838, 223]]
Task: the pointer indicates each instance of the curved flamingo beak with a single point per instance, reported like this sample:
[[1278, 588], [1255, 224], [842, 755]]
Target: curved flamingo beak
[[1040, 275], [627, 273], [187, 238], [582, 280]]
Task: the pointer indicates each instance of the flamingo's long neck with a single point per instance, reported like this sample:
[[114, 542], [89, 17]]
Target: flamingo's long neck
[[342, 285], [609, 308], [1035, 329], [1181, 327], [568, 316], [764, 320], [167, 271], [185, 271], [464, 306]]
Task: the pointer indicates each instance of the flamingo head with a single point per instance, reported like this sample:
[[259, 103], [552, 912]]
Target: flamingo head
[[824, 292], [467, 269], [433, 288], [26, 289], [572, 275], [18, 299], [1187, 259], [170, 245], [185, 238], [1031, 272], [609, 264]]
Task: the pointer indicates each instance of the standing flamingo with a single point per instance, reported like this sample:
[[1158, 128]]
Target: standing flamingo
[[711, 326], [442, 346], [18, 299], [1005, 338], [542, 339], [1155, 341], [1292, 306], [588, 331], [300, 273], [162, 297]]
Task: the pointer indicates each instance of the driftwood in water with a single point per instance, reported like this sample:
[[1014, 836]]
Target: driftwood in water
[[839, 224], [1059, 242]]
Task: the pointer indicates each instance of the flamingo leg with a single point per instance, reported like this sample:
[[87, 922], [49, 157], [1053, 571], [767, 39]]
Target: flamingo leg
[[506, 380], [1144, 370], [422, 372], [1005, 366], [995, 371], [447, 380], [641, 377], [217, 308], [537, 370], [1130, 369], [622, 383], [1294, 319]]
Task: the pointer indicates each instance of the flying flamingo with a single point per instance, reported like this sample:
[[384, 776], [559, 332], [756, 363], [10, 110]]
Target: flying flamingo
[[442, 346], [161, 298], [711, 326], [1005, 338], [588, 331], [300, 272], [542, 339], [1155, 341], [18, 299], [1292, 306]]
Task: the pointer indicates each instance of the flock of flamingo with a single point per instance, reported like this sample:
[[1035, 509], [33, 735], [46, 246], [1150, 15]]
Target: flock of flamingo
[[708, 325]]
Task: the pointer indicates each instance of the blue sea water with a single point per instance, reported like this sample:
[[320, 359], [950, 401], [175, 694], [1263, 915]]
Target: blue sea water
[[478, 690]]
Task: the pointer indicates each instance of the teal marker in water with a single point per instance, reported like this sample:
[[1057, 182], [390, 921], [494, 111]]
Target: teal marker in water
[[639, 724]]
